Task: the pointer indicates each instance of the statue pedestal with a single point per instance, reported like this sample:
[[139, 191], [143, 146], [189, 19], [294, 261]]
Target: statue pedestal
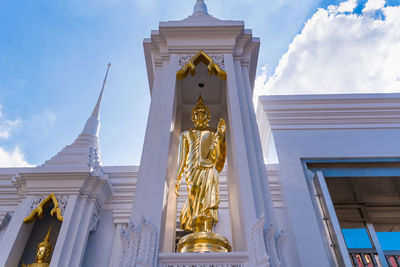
[[203, 239], [204, 242]]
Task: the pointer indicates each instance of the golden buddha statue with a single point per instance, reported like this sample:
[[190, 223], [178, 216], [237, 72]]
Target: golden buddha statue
[[43, 253], [202, 153]]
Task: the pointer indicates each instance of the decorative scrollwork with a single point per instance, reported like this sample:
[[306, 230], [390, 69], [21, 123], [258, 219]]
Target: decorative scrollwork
[[183, 59], [138, 244], [62, 202], [281, 240], [130, 238], [94, 220], [35, 202], [270, 243], [94, 160], [257, 245], [219, 60]]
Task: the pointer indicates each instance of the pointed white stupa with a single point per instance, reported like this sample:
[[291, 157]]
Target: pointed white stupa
[[85, 150], [200, 13], [200, 8]]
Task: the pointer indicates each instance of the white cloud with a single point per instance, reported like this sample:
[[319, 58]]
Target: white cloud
[[373, 5], [14, 158], [347, 6], [341, 53], [7, 126]]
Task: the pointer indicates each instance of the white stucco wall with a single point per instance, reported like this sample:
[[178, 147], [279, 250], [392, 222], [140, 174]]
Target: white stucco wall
[[325, 126], [99, 244]]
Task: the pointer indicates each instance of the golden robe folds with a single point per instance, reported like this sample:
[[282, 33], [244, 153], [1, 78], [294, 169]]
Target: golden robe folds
[[202, 156]]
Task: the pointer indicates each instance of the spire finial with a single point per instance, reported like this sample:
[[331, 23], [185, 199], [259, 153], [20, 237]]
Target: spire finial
[[93, 123], [96, 109], [200, 8], [47, 238]]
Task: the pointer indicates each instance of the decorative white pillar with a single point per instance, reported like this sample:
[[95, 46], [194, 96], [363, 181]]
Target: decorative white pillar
[[15, 237], [259, 174], [245, 186], [149, 204], [238, 169], [63, 236], [74, 232], [150, 186], [168, 233], [116, 246]]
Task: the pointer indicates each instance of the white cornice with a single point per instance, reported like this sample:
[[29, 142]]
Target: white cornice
[[46, 183], [341, 111]]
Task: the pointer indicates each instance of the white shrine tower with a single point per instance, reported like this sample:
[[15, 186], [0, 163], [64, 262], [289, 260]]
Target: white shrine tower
[[203, 40]]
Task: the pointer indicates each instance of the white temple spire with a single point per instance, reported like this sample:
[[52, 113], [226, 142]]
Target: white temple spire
[[92, 125], [96, 109], [85, 150], [200, 8]]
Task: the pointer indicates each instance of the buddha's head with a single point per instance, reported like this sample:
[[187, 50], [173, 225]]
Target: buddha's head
[[200, 114], [44, 249]]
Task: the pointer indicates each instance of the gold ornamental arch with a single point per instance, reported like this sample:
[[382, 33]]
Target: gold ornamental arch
[[38, 211], [201, 56]]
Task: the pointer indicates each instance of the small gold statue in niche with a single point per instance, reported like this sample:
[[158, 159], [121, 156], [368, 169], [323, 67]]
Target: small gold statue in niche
[[43, 253], [202, 153]]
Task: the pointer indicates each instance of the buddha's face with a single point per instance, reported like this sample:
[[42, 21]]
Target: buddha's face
[[200, 117], [41, 254]]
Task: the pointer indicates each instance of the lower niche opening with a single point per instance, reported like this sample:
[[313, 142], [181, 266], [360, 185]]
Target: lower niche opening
[[38, 233]]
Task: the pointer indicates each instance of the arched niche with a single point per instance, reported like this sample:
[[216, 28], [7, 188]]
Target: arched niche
[[46, 214], [199, 74], [207, 78]]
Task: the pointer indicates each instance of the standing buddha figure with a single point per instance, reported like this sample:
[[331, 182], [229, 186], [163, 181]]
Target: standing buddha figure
[[43, 253], [202, 153]]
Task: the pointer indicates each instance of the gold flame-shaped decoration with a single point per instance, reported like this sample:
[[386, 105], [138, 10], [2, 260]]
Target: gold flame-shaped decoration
[[38, 211], [201, 56]]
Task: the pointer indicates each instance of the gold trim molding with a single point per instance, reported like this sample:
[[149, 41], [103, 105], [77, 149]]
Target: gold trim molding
[[201, 56], [38, 211]]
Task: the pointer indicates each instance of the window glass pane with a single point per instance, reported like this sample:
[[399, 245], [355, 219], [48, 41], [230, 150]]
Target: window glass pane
[[356, 238], [389, 240]]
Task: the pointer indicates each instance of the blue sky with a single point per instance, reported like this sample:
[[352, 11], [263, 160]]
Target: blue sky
[[53, 57]]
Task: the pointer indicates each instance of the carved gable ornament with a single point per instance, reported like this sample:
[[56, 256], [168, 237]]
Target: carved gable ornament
[[38, 210], [201, 56]]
